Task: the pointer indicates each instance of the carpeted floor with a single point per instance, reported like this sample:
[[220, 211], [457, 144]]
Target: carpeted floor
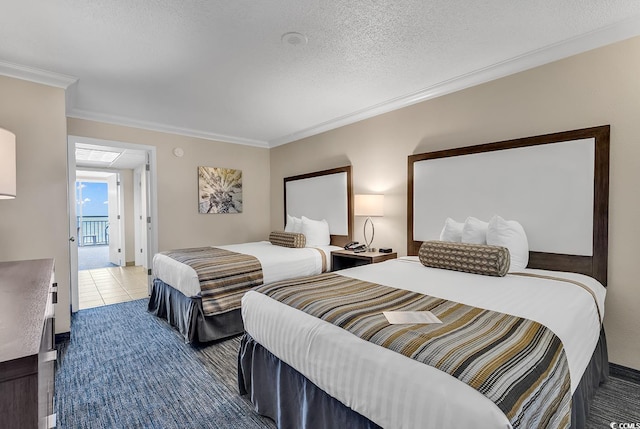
[[124, 368], [617, 401]]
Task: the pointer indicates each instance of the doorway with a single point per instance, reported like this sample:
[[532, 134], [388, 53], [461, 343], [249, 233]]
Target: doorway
[[105, 240], [98, 217]]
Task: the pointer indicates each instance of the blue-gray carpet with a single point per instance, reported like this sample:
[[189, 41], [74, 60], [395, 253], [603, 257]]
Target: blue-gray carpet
[[617, 401], [124, 368]]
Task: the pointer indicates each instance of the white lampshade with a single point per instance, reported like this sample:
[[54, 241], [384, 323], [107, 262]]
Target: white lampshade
[[7, 164], [369, 205]]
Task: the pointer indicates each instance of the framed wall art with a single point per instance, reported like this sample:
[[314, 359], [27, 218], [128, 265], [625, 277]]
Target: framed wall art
[[219, 190]]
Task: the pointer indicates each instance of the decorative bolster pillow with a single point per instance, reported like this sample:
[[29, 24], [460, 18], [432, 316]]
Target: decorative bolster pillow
[[470, 258], [287, 239]]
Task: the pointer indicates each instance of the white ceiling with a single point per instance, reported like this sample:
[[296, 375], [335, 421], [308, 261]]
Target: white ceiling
[[219, 69]]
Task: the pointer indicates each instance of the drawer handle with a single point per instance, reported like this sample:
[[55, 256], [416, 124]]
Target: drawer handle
[[54, 295], [49, 356]]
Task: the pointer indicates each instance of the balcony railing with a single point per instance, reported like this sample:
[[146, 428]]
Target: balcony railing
[[93, 230]]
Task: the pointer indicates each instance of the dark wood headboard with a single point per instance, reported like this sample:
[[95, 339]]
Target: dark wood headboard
[[594, 265], [337, 240]]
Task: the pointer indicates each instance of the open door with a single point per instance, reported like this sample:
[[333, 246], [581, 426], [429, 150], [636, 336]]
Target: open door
[[140, 207], [151, 208], [73, 226], [116, 251]]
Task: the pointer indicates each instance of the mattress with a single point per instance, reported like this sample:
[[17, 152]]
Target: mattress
[[394, 391], [278, 263]]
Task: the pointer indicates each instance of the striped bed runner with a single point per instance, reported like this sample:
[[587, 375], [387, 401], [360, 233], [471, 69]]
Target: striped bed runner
[[518, 364], [224, 276]]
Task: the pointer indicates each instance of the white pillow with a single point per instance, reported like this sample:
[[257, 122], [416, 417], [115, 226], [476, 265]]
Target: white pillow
[[510, 234], [474, 231], [316, 232], [294, 224], [452, 231]]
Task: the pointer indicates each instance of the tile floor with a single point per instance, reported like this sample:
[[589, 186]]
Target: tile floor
[[102, 286]]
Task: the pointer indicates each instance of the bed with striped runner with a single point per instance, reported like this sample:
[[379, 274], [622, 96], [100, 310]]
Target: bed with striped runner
[[517, 363], [224, 276]]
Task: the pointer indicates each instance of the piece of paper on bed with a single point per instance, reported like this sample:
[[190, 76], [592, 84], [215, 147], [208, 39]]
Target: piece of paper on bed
[[410, 317]]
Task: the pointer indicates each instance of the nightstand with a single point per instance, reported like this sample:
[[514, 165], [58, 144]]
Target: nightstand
[[341, 259]]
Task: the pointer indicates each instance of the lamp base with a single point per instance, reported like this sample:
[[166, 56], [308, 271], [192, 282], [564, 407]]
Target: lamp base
[[373, 232]]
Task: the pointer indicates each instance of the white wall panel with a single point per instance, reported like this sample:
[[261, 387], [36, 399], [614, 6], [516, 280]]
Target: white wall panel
[[547, 188], [322, 197]]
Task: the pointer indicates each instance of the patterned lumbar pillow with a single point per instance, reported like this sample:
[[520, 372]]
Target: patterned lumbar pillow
[[287, 239], [470, 258]]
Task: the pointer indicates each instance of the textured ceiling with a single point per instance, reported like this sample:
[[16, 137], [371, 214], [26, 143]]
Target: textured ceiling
[[219, 69]]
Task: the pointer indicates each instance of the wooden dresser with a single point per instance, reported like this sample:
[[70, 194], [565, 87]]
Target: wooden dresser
[[27, 354]]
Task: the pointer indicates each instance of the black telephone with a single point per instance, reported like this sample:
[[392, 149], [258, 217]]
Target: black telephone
[[351, 245], [359, 249]]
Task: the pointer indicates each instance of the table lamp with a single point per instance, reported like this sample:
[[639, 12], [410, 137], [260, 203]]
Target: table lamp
[[369, 205]]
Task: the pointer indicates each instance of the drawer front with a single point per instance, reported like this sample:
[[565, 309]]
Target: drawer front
[[47, 363], [46, 375]]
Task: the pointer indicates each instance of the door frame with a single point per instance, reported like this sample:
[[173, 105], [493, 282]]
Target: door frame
[[152, 204]]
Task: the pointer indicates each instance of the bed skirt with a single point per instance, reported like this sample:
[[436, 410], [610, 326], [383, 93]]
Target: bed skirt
[[287, 397], [186, 315], [283, 394]]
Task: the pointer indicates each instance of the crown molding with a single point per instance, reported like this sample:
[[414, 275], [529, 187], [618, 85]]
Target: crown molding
[[33, 74], [586, 42], [164, 128]]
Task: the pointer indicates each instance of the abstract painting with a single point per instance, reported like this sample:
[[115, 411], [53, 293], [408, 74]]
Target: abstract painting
[[219, 190]]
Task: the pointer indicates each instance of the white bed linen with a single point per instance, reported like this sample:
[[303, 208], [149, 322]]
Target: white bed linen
[[278, 263], [398, 392]]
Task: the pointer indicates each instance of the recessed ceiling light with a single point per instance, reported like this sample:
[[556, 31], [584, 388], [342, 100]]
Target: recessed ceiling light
[[98, 156], [294, 38]]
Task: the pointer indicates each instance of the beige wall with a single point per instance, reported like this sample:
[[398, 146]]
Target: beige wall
[[35, 224], [179, 223], [595, 88]]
